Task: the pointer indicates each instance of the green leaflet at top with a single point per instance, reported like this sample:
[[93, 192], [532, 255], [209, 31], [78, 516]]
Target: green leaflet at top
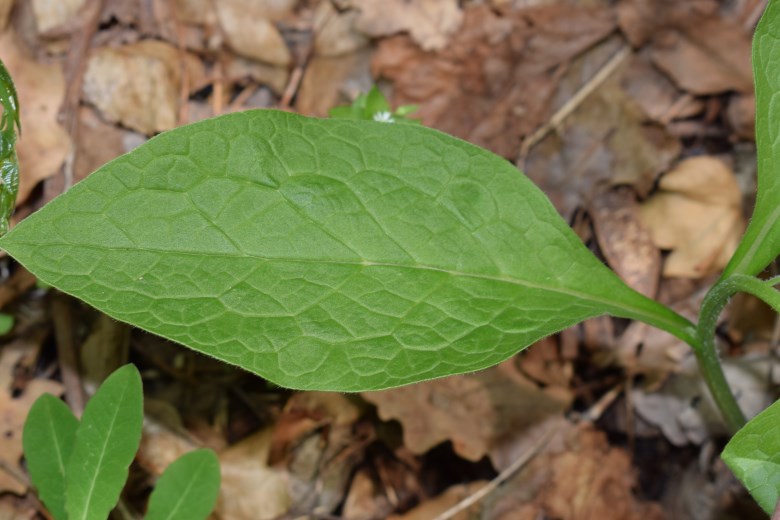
[[329, 254], [761, 243]]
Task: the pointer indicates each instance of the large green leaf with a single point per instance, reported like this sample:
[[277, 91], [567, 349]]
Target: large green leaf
[[753, 454], [105, 445], [47, 440], [187, 489], [761, 243], [331, 254]]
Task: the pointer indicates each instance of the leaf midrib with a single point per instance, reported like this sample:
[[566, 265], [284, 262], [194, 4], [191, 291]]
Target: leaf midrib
[[614, 304], [103, 451]]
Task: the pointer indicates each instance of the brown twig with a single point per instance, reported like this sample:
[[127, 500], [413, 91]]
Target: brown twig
[[502, 477], [74, 74], [575, 101], [66, 353]]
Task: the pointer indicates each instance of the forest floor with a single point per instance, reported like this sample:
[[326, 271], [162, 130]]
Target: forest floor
[[597, 101]]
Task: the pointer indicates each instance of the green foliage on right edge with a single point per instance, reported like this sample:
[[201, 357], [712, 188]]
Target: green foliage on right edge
[[753, 454], [327, 254], [761, 242]]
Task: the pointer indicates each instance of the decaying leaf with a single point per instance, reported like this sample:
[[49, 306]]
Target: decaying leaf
[[138, 85], [476, 412], [624, 241], [438, 505], [492, 83], [606, 141], [697, 214], [52, 13], [251, 490], [682, 43], [41, 87], [430, 23], [316, 439], [249, 28], [13, 411], [684, 410], [335, 33]]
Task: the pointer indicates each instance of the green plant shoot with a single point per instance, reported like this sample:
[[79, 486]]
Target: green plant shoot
[[80, 467]]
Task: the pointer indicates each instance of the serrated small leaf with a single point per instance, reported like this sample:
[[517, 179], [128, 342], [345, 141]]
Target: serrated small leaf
[[753, 454], [47, 440], [328, 254], [761, 242], [105, 445], [187, 489]]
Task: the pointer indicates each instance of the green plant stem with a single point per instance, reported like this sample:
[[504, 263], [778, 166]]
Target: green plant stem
[[704, 347]]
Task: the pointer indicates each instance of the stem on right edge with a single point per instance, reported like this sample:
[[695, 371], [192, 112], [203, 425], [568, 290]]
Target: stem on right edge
[[707, 354]]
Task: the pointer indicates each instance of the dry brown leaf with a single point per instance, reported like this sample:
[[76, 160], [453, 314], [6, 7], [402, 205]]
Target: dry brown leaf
[[476, 412], [328, 82], [492, 83], [741, 115], [697, 214], [44, 144], [138, 85], [98, 143], [249, 29], [430, 23], [13, 413], [335, 33], [701, 50], [250, 489], [272, 76], [5, 11], [388, 484], [317, 438], [605, 141], [624, 241], [52, 13], [593, 481]]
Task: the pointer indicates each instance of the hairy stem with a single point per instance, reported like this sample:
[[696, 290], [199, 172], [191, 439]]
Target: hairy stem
[[705, 349]]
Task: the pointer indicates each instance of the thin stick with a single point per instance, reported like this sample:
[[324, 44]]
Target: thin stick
[[502, 477], [576, 100]]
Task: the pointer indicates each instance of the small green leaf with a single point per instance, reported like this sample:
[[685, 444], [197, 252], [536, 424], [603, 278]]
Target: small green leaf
[[187, 489], [331, 254], [753, 454], [761, 242], [47, 440], [105, 445], [6, 323]]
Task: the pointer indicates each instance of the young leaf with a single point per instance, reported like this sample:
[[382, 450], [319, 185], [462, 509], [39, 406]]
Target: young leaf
[[753, 454], [105, 445], [187, 489], [47, 440], [330, 254], [761, 242]]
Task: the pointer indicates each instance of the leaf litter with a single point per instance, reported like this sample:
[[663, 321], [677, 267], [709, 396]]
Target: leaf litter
[[629, 114]]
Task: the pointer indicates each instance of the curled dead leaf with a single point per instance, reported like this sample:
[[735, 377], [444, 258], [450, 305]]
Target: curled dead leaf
[[138, 85], [697, 214]]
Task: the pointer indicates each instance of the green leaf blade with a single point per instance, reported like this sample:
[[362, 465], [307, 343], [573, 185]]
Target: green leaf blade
[[753, 454], [761, 243], [105, 445], [327, 254], [187, 489], [47, 440]]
